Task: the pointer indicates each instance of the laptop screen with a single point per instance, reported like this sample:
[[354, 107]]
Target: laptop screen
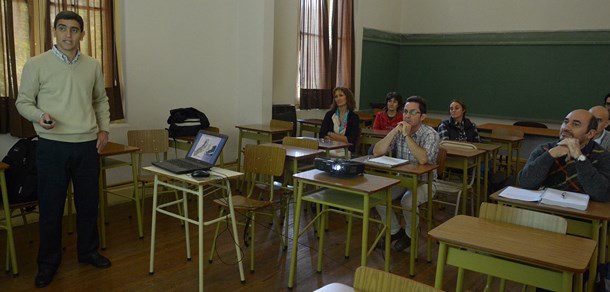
[[207, 147]]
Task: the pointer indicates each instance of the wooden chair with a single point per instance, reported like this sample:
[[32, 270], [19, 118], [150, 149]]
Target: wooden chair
[[152, 143], [373, 280], [262, 163], [432, 122], [503, 160], [523, 217], [6, 221], [447, 187], [530, 124]]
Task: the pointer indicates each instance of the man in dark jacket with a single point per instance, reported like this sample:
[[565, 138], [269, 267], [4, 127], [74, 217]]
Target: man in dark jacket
[[575, 163]]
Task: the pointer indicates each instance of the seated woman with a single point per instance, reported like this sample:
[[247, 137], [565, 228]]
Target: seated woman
[[391, 114], [458, 127], [341, 123]]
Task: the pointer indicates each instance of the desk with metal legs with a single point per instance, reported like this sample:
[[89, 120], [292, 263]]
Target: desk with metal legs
[[219, 178], [354, 195], [526, 255], [591, 223], [408, 174]]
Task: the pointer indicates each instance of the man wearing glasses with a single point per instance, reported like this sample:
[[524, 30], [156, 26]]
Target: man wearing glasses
[[418, 143]]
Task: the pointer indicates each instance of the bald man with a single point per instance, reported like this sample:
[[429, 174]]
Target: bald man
[[602, 137], [574, 163]]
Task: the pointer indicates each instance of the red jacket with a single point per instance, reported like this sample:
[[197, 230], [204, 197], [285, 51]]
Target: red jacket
[[383, 122]]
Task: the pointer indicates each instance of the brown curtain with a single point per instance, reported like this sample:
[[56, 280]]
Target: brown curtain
[[343, 44], [326, 55], [17, 31], [314, 58], [14, 25]]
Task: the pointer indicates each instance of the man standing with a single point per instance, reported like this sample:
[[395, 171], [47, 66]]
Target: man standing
[[602, 137], [575, 163], [418, 143], [62, 93]]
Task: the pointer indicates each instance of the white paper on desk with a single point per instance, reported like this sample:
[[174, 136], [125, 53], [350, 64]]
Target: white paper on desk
[[388, 161], [521, 194]]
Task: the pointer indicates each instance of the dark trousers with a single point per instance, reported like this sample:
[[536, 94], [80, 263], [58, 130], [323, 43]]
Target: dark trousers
[[58, 163]]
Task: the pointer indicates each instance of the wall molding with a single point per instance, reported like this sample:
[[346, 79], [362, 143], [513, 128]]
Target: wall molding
[[589, 37]]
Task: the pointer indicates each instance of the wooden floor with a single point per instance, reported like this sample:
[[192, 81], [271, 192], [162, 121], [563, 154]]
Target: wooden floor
[[130, 259]]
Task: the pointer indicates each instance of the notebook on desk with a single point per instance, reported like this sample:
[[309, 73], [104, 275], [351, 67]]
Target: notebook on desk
[[203, 154]]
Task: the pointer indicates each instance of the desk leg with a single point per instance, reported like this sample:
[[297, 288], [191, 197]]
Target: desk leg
[[153, 228], [136, 195], [593, 264], [429, 219], [187, 232], [200, 235], [440, 265], [239, 145], [234, 229], [365, 230], [509, 168], [478, 201], [414, 234], [295, 241], [388, 223], [485, 182], [603, 242]]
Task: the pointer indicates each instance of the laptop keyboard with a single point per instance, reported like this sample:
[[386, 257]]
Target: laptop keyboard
[[184, 163]]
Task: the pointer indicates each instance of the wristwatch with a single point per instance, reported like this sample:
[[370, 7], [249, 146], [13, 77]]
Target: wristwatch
[[581, 157]]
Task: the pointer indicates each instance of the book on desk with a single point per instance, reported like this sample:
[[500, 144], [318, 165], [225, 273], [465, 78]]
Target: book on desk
[[548, 196], [387, 161]]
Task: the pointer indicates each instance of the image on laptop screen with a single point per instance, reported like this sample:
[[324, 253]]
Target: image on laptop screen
[[206, 148]]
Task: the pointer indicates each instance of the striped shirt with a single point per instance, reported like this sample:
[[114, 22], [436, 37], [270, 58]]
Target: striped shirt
[[426, 137]]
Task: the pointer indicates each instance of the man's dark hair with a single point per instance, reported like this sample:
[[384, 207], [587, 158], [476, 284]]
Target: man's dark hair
[[69, 15], [419, 100], [592, 124]]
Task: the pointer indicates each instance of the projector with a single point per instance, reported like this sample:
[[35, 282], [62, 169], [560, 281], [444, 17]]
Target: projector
[[339, 167]]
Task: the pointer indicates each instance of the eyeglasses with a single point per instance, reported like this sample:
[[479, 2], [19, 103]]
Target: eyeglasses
[[412, 112]]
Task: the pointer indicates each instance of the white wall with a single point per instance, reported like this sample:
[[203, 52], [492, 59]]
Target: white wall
[[460, 16]]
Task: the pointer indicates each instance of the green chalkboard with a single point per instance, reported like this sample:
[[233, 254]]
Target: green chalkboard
[[530, 76]]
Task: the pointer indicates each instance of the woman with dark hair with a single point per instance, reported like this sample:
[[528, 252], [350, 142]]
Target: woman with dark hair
[[341, 123], [391, 114], [458, 127]]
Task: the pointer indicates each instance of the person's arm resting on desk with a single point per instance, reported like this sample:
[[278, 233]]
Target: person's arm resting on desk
[[383, 146]]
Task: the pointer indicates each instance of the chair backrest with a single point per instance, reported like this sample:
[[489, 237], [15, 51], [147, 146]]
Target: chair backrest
[[303, 143], [373, 280], [458, 145], [149, 141], [530, 124], [507, 132], [264, 159], [523, 217]]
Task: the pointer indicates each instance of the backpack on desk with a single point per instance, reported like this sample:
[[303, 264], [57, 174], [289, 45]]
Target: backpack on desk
[[186, 122], [21, 176]]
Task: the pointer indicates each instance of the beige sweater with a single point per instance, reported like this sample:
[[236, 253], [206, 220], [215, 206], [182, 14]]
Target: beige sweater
[[73, 95]]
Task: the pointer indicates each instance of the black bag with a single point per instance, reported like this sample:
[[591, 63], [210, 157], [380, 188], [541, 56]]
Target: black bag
[[21, 176], [186, 122]]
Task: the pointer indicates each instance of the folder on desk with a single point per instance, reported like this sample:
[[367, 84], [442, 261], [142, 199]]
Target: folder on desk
[[566, 199], [387, 161]]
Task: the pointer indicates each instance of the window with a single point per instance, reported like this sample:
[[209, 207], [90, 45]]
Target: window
[[325, 51], [26, 31]]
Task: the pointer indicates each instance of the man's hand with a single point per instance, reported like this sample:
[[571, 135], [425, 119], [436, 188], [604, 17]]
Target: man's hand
[[46, 122], [102, 140], [573, 146], [404, 128]]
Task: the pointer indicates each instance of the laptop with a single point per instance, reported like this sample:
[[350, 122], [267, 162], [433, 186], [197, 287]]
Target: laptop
[[202, 156]]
